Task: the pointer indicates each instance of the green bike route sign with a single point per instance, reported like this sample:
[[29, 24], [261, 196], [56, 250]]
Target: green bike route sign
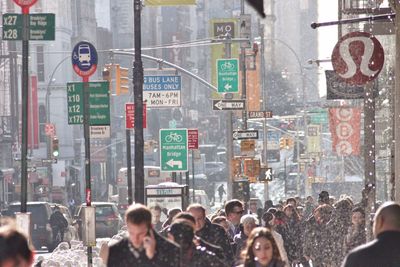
[[41, 27], [174, 150], [228, 75], [99, 103]]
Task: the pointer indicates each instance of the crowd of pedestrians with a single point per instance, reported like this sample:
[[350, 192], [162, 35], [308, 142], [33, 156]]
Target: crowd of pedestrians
[[326, 233]]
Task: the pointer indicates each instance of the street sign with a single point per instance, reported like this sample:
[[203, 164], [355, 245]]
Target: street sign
[[41, 26], [84, 59], [249, 134], [100, 132], [130, 116], [229, 104], [193, 138], [173, 149], [162, 91], [228, 75], [99, 103], [259, 114], [358, 58]]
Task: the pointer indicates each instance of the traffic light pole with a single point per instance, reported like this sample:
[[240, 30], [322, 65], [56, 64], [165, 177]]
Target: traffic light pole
[[138, 97]]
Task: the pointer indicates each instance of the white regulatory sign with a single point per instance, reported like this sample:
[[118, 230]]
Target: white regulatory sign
[[162, 91]]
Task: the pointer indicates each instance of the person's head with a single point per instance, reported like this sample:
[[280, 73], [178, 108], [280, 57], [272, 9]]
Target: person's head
[[387, 218], [199, 214], [173, 212], [268, 204], [292, 201], [323, 197], [253, 207], [291, 212], [269, 219], [358, 216], [14, 246], [234, 210], [323, 213], [185, 216], [182, 233], [249, 222], [221, 220], [310, 199], [138, 222], [156, 213], [260, 247]]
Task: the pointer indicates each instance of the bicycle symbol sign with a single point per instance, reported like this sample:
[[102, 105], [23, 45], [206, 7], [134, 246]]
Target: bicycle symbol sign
[[228, 75], [173, 149]]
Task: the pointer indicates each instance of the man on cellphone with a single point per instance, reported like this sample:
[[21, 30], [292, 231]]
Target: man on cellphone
[[143, 246]]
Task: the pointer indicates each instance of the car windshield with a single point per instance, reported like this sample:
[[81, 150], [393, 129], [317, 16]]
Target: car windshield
[[104, 211]]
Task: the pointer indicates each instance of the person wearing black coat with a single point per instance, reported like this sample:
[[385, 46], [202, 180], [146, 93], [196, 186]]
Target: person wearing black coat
[[143, 247], [384, 250], [212, 233]]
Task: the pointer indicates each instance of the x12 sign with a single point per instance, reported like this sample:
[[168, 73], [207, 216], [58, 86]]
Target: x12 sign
[[358, 58]]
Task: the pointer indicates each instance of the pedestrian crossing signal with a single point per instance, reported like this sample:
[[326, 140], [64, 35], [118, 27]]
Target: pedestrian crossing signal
[[266, 175]]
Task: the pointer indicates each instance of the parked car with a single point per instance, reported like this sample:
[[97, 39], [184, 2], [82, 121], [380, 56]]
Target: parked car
[[72, 230], [40, 229], [216, 171], [108, 219]]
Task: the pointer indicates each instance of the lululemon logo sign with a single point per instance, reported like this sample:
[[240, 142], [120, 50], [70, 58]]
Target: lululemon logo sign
[[358, 58]]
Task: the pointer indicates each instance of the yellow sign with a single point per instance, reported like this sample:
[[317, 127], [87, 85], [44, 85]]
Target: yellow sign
[[169, 2]]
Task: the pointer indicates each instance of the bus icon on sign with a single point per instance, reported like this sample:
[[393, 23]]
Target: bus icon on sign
[[84, 55]]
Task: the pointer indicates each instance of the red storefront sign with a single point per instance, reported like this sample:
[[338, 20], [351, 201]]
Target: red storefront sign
[[345, 129]]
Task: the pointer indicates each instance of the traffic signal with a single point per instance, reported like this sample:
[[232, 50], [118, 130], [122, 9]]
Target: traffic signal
[[121, 80], [241, 190], [55, 147], [282, 143], [252, 168], [107, 73], [236, 165], [265, 175]]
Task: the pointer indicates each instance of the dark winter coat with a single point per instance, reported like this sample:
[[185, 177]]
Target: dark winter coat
[[58, 220], [384, 251], [121, 255], [240, 243], [355, 237], [316, 242], [216, 235], [201, 257]]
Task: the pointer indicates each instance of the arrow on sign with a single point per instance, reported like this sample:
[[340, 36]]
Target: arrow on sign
[[227, 87], [228, 104], [172, 163]]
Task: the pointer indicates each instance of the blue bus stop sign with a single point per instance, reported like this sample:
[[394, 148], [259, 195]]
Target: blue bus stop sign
[[84, 59]]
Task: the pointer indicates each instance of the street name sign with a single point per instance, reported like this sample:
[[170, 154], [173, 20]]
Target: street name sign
[[162, 91], [228, 75], [229, 104], [249, 134], [41, 27], [100, 132], [173, 150], [99, 103], [259, 114]]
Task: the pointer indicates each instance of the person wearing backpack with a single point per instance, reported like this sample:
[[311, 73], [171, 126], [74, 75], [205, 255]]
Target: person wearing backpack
[[58, 223]]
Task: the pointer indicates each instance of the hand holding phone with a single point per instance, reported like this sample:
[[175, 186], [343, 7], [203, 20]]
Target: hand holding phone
[[149, 244]]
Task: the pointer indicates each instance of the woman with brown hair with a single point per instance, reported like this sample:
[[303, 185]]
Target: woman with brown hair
[[261, 250]]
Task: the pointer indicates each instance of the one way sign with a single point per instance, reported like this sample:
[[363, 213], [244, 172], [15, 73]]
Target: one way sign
[[240, 135], [228, 104]]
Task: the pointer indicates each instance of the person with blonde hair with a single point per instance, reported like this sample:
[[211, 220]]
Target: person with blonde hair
[[261, 250]]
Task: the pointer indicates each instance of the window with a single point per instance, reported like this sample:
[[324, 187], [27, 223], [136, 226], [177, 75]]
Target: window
[[40, 63]]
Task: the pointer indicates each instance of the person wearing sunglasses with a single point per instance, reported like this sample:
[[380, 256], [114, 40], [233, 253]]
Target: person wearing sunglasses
[[234, 210]]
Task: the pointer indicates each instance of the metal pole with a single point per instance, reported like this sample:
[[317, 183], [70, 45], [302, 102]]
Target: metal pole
[[244, 78], [193, 183], [86, 134], [25, 104], [129, 166], [369, 153], [396, 107], [138, 97], [229, 138], [264, 106]]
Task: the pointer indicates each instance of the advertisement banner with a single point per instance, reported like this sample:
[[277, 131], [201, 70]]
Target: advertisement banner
[[345, 129]]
